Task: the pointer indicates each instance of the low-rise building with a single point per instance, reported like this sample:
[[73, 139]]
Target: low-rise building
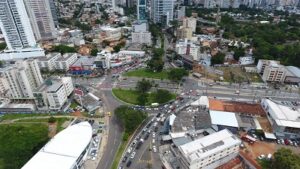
[[110, 34], [83, 65], [63, 63], [132, 53], [184, 33], [274, 73], [292, 75], [53, 94], [186, 47], [210, 151], [141, 38], [48, 62], [285, 120], [247, 60]]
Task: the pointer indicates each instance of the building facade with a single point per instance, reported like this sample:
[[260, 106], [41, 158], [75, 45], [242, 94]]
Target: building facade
[[274, 73], [42, 22], [15, 25], [184, 33], [162, 11], [48, 63], [185, 47], [63, 63], [190, 23], [142, 10], [141, 38], [22, 78]]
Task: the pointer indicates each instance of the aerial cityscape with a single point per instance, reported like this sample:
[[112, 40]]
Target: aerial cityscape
[[150, 84]]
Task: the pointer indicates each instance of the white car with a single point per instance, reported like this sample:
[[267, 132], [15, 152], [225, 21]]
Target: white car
[[262, 156], [154, 149], [153, 141], [153, 134], [133, 154], [129, 150]]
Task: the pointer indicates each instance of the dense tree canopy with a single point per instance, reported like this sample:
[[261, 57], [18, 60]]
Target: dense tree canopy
[[143, 86], [130, 118], [64, 49], [156, 63], [2, 46], [162, 96], [94, 52], [176, 74], [285, 158], [218, 58]]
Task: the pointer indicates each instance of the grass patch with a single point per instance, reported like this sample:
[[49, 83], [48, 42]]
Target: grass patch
[[60, 122], [19, 142], [131, 96], [74, 105], [147, 74], [118, 155]]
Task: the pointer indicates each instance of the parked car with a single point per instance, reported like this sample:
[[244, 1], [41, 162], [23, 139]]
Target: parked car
[[128, 164], [133, 154]]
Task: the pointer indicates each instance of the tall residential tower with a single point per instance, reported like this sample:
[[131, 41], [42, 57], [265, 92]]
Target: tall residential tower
[[142, 10], [162, 11]]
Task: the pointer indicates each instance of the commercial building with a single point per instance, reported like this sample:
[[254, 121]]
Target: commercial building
[[48, 62], [184, 33], [263, 63], [140, 26], [141, 38], [210, 151], [141, 10], [132, 53], [66, 150], [186, 47], [63, 63], [21, 78], [41, 19], [53, 94], [83, 65], [285, 120], [6, 107], [17, 31], [292, 75], [162, 11]]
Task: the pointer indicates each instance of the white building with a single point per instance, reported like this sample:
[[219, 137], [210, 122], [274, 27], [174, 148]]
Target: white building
[[210, 151], [17, 31], [140, 26], [247, 60], [22, 78], [285, 120], [162, 11], [40, 15], [48, 62], [66, 150], [274, 73], [188, 48], [141, 38], [263, 63], [132, 53], [63, 63], [53, 94]]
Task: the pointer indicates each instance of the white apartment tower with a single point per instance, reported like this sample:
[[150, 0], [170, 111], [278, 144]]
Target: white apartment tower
[[22, 78], [15, 25], [162, 11], [42, 22]]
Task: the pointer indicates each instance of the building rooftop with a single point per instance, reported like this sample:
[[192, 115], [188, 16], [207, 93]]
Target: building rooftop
[[66, 56], [208, 145], [223, 118], [84, 61], [63, 149], [50, 85], [295, 71], [236, 107], [283, 115]]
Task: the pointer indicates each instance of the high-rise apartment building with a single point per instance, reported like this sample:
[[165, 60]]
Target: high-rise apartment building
[[41, 19], [142, 10], [162, 11], [15, 25], [22, 78]]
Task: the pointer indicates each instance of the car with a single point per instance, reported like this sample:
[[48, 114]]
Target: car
[[134, 142], [153, 141], [154, 149], [129, 150], [128, 164], [124, 159], [262, 156], [132, 154], [121, 167], [153, 135]]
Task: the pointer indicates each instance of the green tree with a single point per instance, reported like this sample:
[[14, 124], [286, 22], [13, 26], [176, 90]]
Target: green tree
[[142, 99], [238, 52], [52, 119], [162, 96], [94, 52], [129, 118], [2, 46], [143, 86], [285, 158], [64, 49], [176, 74], [98, 21], [218, 58], [117, 48]]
